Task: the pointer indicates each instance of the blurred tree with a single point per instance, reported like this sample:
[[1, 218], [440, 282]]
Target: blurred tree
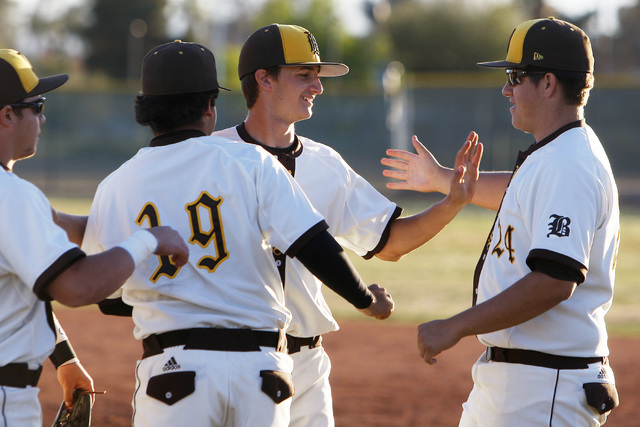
[[7, 23], [57, 30], [449, 36], [626, 43], [119, 29]]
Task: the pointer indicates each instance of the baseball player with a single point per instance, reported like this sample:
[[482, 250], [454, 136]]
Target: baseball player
[[38, 263], [215, 349], [279, 68], [545, 280]]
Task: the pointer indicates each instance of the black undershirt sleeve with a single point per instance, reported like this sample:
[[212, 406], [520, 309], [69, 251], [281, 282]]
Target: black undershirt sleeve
[[326, 260], [115, 307], [556, 265]]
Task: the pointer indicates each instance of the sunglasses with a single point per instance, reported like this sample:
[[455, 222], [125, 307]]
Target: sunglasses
[[38, 105], [514, 77]]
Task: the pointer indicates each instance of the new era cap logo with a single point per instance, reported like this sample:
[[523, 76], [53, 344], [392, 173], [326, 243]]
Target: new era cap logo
[[537, 56]]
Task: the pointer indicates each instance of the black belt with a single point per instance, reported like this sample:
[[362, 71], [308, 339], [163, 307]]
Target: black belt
[[19, 375], [214, 339], [536, 358], [294, 344]]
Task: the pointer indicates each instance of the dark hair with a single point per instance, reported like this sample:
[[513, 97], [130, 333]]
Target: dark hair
[[168, 112], [575, 85], [249, 85]]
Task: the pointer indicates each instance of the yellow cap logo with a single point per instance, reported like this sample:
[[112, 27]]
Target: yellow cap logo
[[298, 44], [537, 56]]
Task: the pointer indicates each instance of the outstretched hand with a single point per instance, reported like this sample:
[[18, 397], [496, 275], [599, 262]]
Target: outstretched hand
[[422, 172], [466, 171], [382, 306]]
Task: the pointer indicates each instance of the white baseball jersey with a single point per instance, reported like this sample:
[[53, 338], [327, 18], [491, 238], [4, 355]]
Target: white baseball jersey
[[34, 250], [357, 215], [232, 202], [562, 206]]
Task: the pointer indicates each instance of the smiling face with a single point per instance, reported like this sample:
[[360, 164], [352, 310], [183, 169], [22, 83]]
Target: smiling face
[[295, 90]]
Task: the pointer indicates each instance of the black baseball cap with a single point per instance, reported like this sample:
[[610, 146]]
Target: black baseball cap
[[286, 46], [18, 80], [548, 44], [179, 67]]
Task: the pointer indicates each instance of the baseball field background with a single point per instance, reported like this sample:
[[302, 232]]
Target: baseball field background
[[378, 378]]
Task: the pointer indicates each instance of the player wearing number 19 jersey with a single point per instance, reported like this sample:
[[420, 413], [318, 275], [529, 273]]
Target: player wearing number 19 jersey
[[213, 330]]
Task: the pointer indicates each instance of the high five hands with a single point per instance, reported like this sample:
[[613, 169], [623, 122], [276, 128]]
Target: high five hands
[[421, 171]]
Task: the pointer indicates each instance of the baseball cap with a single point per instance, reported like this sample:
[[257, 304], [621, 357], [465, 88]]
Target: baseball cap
[[547, 43], [18, 80], [286, 46], [179, 67]]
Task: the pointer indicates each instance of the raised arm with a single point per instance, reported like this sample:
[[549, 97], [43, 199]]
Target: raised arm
[[421, 171], [409, 233]]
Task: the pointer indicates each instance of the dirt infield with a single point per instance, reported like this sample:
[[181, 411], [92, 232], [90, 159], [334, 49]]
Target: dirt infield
[[378, 378]]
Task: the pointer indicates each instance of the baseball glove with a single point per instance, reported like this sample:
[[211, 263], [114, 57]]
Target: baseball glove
[[80, 414]]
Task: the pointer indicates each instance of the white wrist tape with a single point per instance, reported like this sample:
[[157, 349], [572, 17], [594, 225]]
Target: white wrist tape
[[70, 361], [140, 245]]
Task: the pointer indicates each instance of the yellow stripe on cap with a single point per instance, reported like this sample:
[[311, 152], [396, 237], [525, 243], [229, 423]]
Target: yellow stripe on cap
[[516, 43], [298, 44], [23, 68]]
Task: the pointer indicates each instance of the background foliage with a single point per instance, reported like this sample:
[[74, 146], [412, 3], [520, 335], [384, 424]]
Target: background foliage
[[109, 37]]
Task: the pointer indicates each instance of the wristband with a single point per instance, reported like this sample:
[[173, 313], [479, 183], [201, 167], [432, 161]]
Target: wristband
[[63, 354], [140, 245], [70, 361]]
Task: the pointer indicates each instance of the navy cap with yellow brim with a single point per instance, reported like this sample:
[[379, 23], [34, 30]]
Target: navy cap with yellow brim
[[285, 46], [18, 80], [548, 43]]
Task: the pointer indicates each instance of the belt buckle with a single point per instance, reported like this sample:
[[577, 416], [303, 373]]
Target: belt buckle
[[488, 354]]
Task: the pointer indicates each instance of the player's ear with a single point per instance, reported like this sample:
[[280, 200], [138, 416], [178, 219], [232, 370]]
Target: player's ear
[[6, 116], [551, 85], [263, 79]]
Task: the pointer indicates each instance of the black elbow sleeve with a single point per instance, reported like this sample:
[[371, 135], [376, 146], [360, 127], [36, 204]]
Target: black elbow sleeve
[[326, 260]]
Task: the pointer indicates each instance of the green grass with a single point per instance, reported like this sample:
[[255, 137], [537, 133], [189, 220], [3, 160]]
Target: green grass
[[435, 280]]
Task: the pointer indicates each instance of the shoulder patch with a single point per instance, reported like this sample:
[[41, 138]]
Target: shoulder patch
[[559, 225]]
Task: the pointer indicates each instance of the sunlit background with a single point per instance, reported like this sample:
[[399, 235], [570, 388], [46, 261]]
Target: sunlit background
[[412, 72]]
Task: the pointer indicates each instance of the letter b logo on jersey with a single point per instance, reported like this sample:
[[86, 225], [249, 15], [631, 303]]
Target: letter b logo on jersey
[[559, 226]]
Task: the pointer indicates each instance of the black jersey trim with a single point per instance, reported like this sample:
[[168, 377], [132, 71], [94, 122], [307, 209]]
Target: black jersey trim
[[384, 238], [554, 135], [556, 265], [175, 137], [294, 150], [115, 307], [65, 261], [304, 239]]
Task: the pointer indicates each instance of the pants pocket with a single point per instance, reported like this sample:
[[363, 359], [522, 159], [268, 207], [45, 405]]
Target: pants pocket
[[602, 396], [173, 387], [277, 385]]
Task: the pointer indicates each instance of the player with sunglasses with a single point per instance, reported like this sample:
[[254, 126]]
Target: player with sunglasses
[[39, 262], [37, 105], [545, 279]]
